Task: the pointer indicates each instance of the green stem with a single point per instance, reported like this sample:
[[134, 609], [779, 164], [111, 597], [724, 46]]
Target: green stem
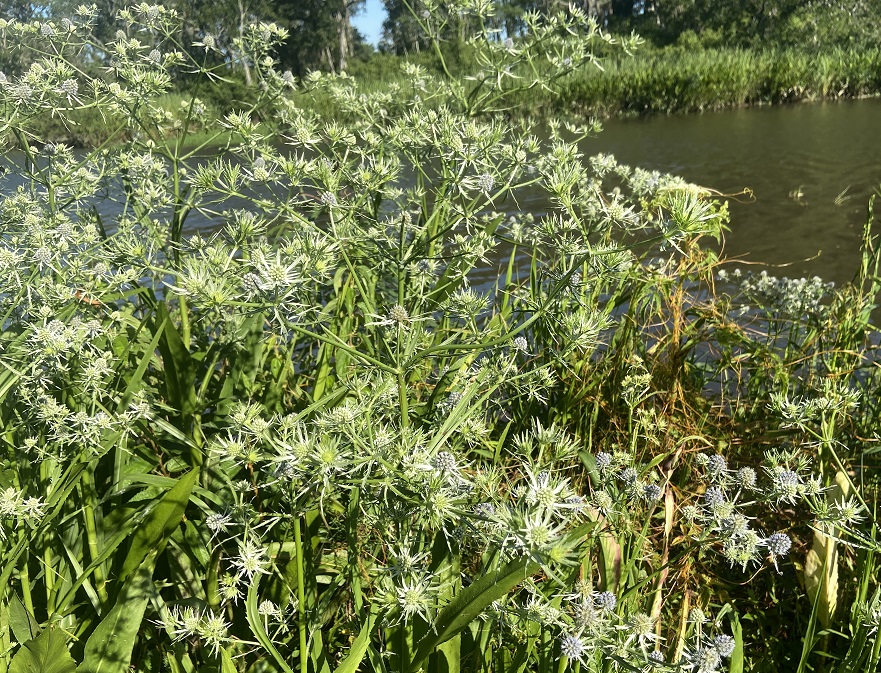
[[5, 640], [87, 488], [301, 597], [48, 560], [402, 398], [212, 595], [25, 580]]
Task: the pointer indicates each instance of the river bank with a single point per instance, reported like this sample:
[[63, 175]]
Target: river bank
[[648, 82], [670, 81]]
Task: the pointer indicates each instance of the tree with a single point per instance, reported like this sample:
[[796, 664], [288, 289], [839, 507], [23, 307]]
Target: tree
[[321, 33]]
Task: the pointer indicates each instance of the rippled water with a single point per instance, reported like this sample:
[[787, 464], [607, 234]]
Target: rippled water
[[811, 169], [818, 150]]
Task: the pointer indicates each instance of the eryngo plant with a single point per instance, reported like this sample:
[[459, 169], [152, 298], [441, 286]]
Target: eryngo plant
[[308, 409]]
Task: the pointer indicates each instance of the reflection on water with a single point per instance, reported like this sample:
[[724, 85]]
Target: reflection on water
[[811, 168]]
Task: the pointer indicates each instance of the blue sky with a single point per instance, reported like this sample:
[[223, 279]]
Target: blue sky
[[369, 21]]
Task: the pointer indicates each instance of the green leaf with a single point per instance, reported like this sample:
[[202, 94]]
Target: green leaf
[[736, 663], [47, 653], [358, 650], [473, 600], [109, 648], [159, 524], [256, 623], [446, 566], [227, 665], [179, 368], [23, 624], [135, 378]]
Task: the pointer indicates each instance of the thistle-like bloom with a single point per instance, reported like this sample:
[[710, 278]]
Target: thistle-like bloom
[[605, 601], [849, 511], [724, 644], [573, 647], [641, 628], [714, 496], [651, 492], [547, 494], [269, 609], [251, 560], [787, 485], [415, 596], [215, 632], [746, 478], [743, 549], [520, 345], [778, 545], [629, 476], [704, 660], [716, 467]]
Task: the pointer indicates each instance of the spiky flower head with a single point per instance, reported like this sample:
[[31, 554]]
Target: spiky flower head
[[444, 462], [746, 478], [573, 647], [485, 182], [714, 497], [787, 485], [705, 660], [716, 466], [651, 492], [641, 628], [724, 644], [605, 601], [603, 461], [629, 476]]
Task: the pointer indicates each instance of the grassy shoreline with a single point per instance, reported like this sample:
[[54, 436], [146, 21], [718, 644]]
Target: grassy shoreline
[[668, 81], [677, 81]]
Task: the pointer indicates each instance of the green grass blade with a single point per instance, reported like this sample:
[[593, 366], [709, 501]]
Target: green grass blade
[[109, 648], [359, 648], [473, 600], [736, 663], [157, 527], [255, 621]]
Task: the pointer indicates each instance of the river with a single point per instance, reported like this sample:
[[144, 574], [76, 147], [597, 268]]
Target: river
[[811, 168]]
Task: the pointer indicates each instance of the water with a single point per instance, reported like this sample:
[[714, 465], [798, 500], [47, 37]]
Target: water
[[818, 150], [811, 169]]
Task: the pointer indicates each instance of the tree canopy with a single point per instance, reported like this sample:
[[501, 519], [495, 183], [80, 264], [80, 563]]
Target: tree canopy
[[321, 35]]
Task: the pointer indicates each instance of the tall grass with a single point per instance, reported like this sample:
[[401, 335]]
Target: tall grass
[[686, 81]]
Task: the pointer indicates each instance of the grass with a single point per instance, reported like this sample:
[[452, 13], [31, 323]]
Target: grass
[[652, 81], [679, 81]]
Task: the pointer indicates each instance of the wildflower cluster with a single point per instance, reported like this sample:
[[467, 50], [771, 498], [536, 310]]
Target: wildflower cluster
[[270, 399], [790, 297], [719, 517], [622, 486]]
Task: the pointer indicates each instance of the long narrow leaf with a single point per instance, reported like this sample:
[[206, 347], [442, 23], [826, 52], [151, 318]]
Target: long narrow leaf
[[256, 624], [109, 648], [473, 600], [157, 527], [358, 650]]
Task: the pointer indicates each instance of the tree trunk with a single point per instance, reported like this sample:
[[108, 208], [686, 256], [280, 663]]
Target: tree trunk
[[245, 64], [345, 35]]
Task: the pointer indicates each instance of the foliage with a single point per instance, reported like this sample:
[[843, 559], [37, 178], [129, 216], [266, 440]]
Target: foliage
[[258, 413]]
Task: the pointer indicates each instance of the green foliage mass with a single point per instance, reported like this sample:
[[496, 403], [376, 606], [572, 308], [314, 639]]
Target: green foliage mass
[[284, 391]]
